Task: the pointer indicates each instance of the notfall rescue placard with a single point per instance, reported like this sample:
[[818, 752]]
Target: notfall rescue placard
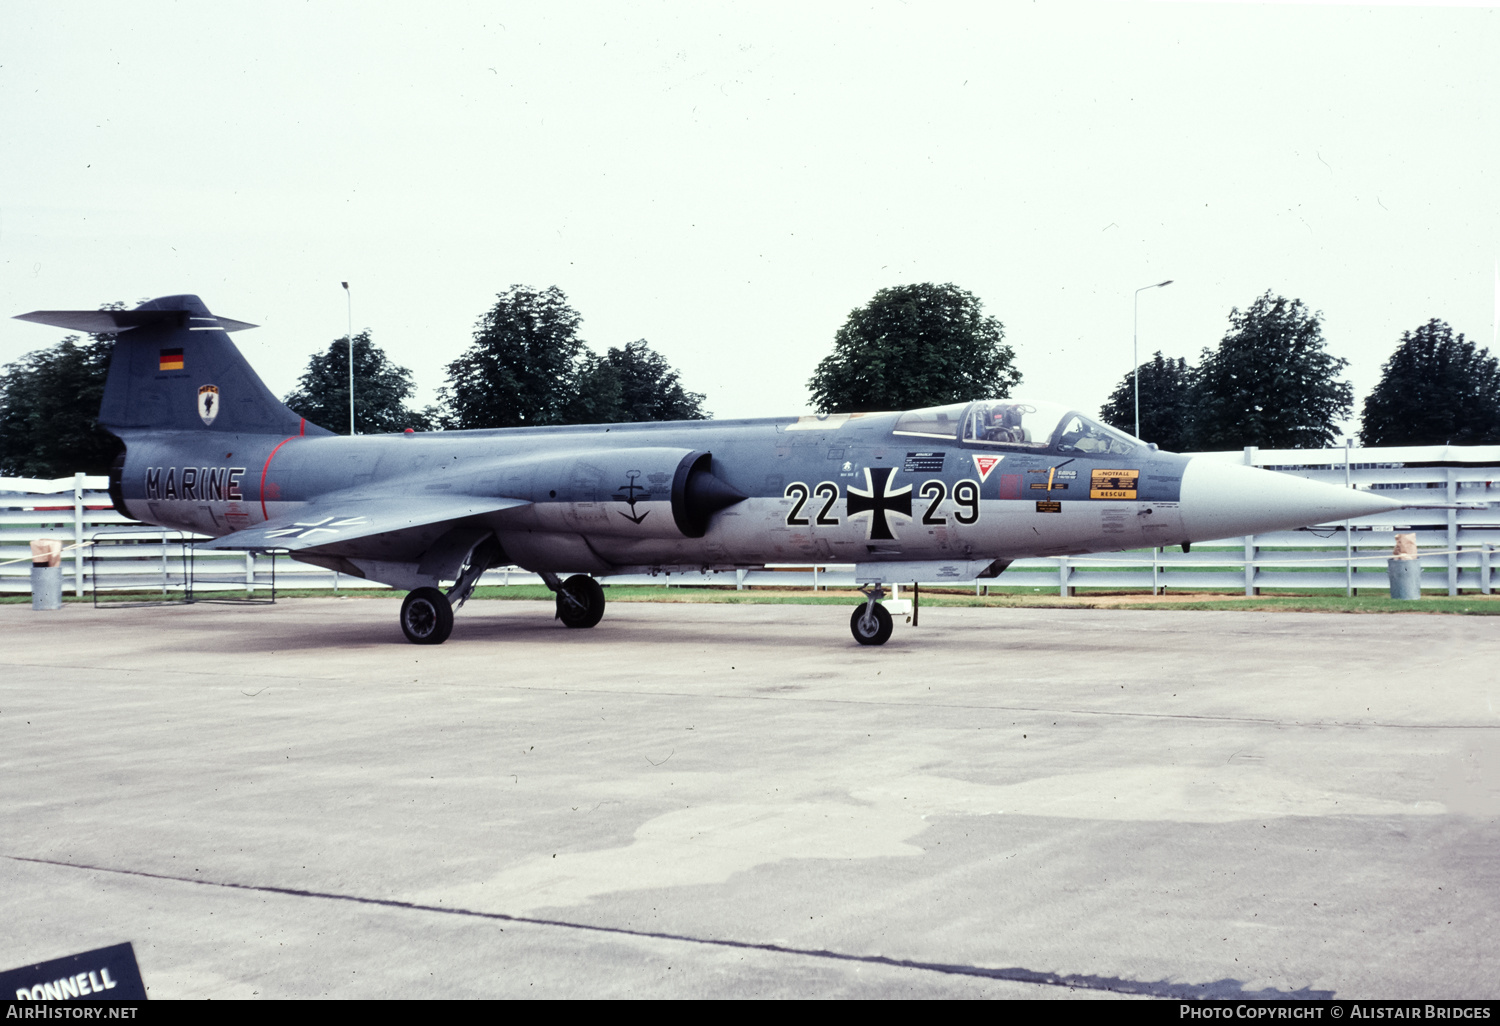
[[1113, 484]]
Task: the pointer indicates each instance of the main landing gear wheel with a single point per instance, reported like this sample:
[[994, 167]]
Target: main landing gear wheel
[[871, 624], [426, 617], [580, 601]]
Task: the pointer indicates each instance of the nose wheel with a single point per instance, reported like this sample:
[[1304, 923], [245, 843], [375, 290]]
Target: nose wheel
[[871, 622]]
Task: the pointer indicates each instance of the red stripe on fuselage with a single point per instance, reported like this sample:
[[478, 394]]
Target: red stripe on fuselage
[[263, 511]]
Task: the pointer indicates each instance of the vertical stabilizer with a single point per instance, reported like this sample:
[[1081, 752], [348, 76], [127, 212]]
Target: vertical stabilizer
[[174, 368]]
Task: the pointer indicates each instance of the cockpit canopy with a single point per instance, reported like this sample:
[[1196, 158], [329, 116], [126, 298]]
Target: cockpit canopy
[[1018, 424]]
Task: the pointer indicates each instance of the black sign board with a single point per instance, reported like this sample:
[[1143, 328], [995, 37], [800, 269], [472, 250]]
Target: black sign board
[[923, 463], [105, 974]]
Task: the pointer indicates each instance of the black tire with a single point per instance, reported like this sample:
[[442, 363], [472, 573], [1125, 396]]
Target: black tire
[[426, 617], [589, 599], [863, 632]]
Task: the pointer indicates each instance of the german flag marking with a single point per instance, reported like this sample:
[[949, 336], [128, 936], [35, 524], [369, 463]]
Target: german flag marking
[[171, 359]]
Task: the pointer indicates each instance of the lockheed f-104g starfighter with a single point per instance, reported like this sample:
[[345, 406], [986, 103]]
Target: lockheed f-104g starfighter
[[950, 494]]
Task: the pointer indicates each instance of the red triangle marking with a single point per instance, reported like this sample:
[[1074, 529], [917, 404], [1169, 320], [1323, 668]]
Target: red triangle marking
[[985, 465]]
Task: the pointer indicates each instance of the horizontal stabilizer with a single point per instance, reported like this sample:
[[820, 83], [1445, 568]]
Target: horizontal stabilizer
[[344, 516], [97, 322]]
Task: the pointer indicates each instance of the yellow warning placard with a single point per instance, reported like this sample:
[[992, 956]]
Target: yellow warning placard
[[1113, 484]]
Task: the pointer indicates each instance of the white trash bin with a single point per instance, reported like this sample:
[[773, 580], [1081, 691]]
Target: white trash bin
[[1406, 578], [46, 587], [46, 574], [1404, 569]]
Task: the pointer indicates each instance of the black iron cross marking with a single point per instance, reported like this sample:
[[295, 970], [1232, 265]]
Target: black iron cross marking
[[877, 501], [629, 497]]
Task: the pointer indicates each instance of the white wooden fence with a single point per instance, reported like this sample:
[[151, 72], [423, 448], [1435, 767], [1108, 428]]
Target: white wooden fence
[[105, 551]]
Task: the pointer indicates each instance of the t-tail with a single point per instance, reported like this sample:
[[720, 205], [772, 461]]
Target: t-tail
[[175, 368]]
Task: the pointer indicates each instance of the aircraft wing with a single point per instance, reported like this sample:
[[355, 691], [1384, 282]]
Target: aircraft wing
[[342, 517]]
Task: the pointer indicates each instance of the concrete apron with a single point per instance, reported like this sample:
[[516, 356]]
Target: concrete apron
[[717, 800]]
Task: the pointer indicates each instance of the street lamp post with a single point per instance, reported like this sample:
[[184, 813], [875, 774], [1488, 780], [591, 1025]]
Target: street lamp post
[[1135, 348], [349, 296]]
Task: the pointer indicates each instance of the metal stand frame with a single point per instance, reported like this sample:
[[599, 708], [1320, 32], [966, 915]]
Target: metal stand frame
[[185, 575]]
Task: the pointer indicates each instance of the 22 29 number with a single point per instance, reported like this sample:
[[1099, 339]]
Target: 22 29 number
[[965, 498]]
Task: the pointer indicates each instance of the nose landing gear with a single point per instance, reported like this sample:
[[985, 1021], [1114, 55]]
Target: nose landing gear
[[871, 622]]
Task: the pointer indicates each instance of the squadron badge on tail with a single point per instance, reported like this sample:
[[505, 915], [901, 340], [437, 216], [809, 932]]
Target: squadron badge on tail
[[208, 403]]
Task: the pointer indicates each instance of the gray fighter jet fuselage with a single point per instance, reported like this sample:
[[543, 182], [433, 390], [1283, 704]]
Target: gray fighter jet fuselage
[[952, 493]]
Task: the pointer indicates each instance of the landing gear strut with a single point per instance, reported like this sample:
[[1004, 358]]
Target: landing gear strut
[[871, 622], [480, 558], [580, 599], [427, 614]]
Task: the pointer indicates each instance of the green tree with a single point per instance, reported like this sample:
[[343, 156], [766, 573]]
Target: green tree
[[380, 390], [522, 368], [631, 383], [913, 346], [49, 409], [1270, 383], [1166, 385], [1435, 389]]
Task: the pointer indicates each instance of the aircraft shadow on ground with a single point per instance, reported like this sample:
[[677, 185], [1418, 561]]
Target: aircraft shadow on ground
[[521, 627]]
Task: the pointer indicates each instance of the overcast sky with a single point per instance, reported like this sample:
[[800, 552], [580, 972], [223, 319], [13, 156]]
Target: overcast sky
[[728, 181]]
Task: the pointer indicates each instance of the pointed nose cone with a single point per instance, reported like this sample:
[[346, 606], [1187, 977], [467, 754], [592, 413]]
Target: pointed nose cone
[[1224, 500]]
